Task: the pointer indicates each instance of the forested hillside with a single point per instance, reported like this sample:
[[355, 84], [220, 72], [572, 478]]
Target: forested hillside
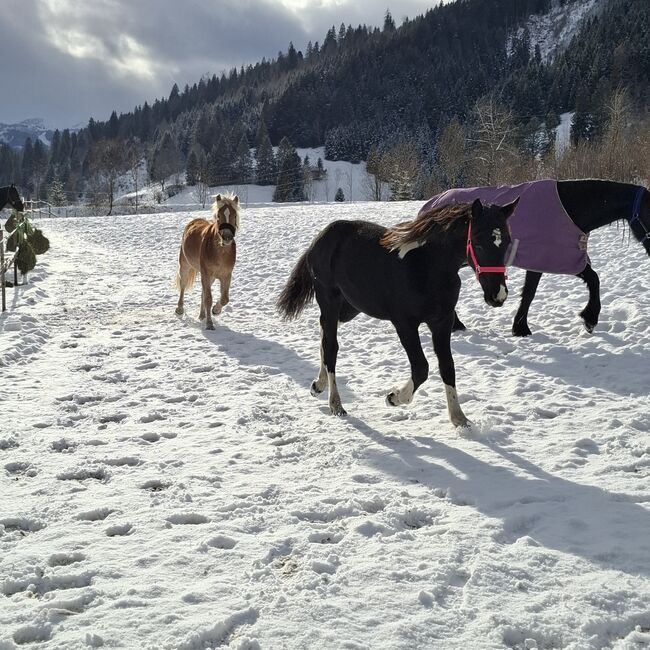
[[425, 102]]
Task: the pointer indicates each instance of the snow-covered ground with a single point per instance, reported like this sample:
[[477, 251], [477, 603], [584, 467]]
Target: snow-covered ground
[[166, 487]]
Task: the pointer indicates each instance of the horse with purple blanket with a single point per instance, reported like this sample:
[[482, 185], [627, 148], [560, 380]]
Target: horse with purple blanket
[[550, 230]]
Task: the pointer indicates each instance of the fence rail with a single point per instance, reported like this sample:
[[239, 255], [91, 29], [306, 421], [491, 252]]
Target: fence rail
[[7, 259]]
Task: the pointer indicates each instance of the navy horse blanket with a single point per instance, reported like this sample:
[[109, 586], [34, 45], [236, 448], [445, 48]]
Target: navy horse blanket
[[543, 236]]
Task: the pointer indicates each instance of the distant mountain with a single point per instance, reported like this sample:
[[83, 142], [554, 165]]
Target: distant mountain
[[15, 135]]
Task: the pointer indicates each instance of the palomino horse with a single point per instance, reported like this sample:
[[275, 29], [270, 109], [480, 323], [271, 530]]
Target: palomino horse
[[407, 274], [209, 247], [551, 228], [9, 194]]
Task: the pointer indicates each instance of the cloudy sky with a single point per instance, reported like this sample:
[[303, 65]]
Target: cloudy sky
[[67, 60]]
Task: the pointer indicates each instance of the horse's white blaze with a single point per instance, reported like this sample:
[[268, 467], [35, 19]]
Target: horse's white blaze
[[405, 248], [496, 235], [456, 414], [404, 395], [502, 295]]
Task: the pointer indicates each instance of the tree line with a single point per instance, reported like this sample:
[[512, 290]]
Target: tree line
[[365, 93]]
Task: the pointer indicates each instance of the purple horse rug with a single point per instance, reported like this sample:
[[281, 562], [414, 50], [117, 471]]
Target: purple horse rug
[[543, 236]]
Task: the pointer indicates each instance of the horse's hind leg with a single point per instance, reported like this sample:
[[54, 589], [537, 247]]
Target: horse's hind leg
[[346, 313], [441, 334], [410, 339], [182, 280], [520, 324], [458, 325], [329, 315], [591, 312]]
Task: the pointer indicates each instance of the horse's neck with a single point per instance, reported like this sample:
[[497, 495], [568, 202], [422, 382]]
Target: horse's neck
[[592, 204], [447, 252]]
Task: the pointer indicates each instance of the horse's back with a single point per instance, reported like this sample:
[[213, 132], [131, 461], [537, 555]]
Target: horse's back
[[342, 240]]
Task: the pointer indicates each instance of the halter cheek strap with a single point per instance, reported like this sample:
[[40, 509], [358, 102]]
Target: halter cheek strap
[[478, 269], [636, 213]]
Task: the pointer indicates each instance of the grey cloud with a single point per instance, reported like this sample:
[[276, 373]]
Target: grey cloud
[[182, 39]]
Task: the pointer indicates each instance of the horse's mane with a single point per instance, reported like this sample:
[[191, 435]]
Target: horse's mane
[[412, 234]]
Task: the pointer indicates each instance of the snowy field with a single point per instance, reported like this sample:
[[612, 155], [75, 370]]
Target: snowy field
[[166, 487]]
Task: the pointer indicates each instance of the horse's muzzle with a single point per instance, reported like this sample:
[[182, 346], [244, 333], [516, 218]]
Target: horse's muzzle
[[498, 299], [227, 235]]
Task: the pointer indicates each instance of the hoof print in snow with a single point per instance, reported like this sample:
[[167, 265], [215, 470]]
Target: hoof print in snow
[[187, 518]]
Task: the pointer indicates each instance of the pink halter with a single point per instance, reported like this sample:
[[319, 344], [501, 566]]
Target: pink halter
[[472, 256]]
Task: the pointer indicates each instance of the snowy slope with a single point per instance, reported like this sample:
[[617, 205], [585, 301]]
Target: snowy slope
[[166, 487], [554, 30], [15, 135]]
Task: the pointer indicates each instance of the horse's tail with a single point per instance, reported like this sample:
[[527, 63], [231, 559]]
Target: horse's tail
[[298, 292], [190, 276]]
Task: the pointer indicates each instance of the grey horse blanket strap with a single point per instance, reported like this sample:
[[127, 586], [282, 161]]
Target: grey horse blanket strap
[[543, 235]]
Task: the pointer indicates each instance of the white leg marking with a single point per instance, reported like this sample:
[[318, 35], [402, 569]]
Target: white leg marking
[[318, 385], [456, 414], [335, 399], [403, 395]]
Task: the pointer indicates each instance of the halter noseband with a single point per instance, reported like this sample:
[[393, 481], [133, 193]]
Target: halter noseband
[[636, 213], [478, 269]]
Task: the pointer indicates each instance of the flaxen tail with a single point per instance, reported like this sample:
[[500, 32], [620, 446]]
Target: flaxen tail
[[298, 292], [189, 276]]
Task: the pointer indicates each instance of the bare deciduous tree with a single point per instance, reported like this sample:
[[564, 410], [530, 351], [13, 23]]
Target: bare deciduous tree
[[491, 139]]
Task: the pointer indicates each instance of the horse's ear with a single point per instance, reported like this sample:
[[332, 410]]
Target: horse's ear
[[509, 209], [218, 197], [236, 200], [477, 209]]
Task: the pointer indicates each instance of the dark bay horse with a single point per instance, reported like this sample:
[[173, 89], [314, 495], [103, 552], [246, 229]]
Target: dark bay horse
[[407, 274], [9, 194], [209, 248], [585, 205]]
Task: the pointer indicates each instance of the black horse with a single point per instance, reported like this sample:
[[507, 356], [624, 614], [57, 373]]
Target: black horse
[[358, 266], [590, 204], [9, 194]]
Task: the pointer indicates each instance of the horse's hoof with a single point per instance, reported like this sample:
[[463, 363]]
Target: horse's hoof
[[179, 311], [521, 330], [461, 422], [458, 326], [209, 326], [391, 399], [216, 310], [314, 390], [588, 323], [338, 410]]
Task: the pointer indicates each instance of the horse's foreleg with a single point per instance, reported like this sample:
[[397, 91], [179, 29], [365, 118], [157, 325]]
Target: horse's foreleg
[[520, 324], [224, 298], [441, 335], [410, 339], [591, 312], [206, 300]]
